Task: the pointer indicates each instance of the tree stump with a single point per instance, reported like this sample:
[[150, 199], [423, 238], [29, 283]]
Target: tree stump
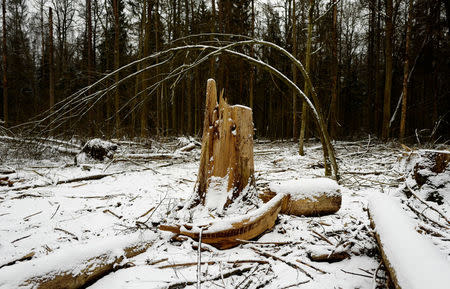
[[226, 162]]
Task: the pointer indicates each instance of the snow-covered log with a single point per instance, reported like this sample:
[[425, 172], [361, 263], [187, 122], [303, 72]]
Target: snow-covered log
[[76, 266], [411, 259], [306, 197], [228, 232]]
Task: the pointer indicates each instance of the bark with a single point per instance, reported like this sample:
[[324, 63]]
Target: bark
[[89, 55], [245, 228], [334, 77], [307, 88], [406, 71], [5, 67], [319, 205], [294, 72], [213, 30], [158, 90], [252, 52], [116, 65], [227, 147], [388, 71], [146, 76], [50, 62]]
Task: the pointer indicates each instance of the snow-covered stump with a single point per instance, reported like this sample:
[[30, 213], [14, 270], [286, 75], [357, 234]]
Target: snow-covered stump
[[226, 162], [411, 259], [306, 197]]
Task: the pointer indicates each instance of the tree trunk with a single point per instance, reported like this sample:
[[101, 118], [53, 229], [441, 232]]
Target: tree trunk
[[307, 88], [146, 75], [158, 94], [116, 65], [252, 52], [89, 57], [294, 72], [334, 76], [50, 62], [406, 71], [5, 68], [388, 80], [213, 30], [226, 163]]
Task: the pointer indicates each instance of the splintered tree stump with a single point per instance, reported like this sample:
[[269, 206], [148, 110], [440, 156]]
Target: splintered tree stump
[[226, 162]]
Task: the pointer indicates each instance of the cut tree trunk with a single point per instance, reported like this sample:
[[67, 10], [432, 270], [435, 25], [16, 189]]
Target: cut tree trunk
[[226, 162], [306, 197], [322, 204]]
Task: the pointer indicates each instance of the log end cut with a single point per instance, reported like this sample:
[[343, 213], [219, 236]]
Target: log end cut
[[306, 197]]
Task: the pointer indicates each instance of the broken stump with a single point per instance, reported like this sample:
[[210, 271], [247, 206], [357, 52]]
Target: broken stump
[[226, 162]]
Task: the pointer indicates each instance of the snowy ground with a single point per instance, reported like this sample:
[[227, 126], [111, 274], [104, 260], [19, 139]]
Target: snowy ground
[[55, 218]]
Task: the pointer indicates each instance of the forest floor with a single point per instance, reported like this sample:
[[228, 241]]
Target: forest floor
[[44, 214]]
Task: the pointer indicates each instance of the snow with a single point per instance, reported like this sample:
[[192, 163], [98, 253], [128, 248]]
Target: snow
[[79, 208], [417, 262], [306, 188], [70, 259], [218, 194]]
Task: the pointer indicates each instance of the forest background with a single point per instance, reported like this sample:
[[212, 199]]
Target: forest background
[[378, 66]]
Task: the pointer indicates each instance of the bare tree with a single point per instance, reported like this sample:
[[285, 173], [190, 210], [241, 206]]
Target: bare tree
[[301, 142], [5, 67], [406, 70], [388, 70], [50, 61]]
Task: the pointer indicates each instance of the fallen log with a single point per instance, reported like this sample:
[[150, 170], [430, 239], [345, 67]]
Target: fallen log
[[306, 197], [77, 266], [59, 147], [411, 260], [227, 233]]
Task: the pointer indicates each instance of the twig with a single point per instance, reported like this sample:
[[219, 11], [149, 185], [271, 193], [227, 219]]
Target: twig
[[212, 263], [158, 261], [425, 217], [55, 211], [311, 266], [27, 217], [428, 206], [146, 213], [20, 239], [246, 277], [295, 266], [268, 243], [67, 232], [225, 275], [296, 284], [112, 213], [357, 274], [322, 237], [199, 259], [375, 275]]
